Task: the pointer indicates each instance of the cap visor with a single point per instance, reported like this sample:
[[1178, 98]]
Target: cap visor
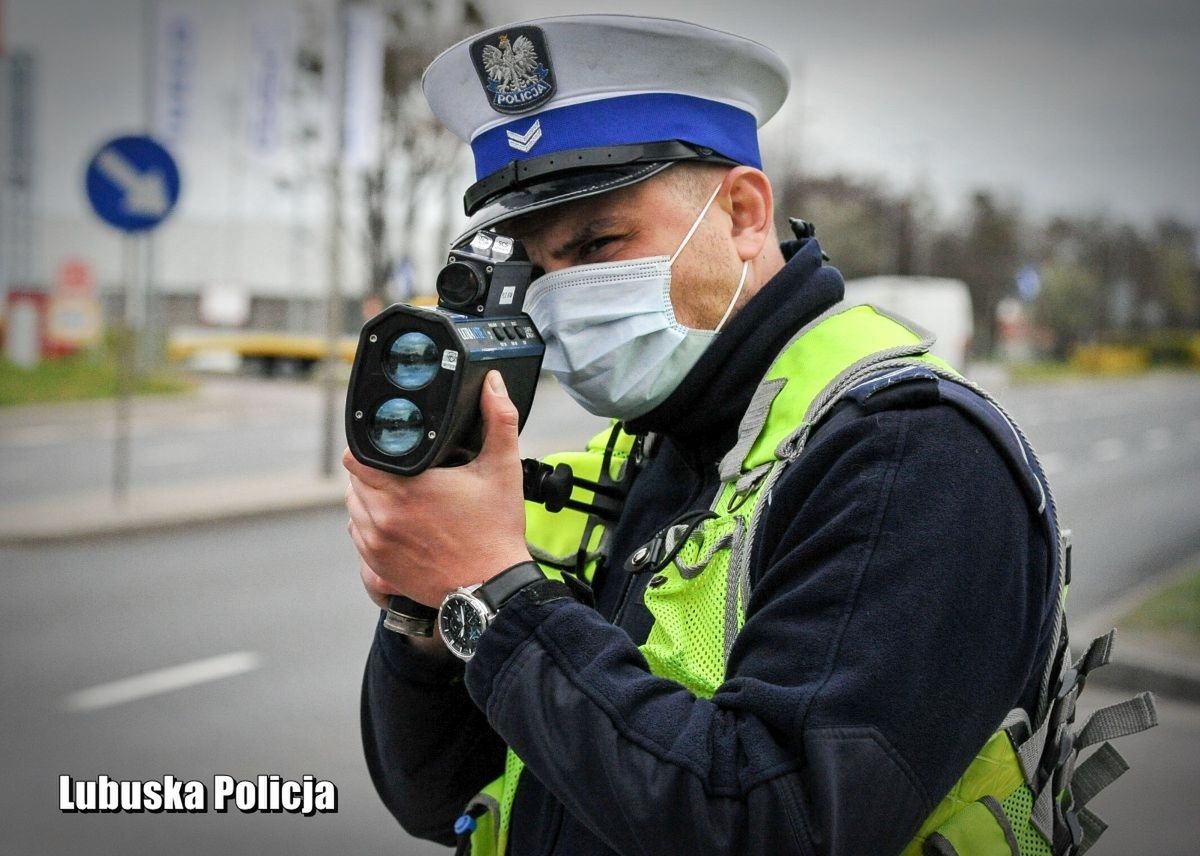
[[557, 190]]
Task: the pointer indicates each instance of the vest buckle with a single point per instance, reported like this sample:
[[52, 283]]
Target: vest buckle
[[661, 550]]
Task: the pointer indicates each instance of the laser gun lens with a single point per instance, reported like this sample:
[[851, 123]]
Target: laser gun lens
[[396, 427], [459, 285], [411, 361]]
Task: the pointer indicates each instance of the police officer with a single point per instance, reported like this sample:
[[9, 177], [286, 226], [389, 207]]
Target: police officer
[[836, 574]]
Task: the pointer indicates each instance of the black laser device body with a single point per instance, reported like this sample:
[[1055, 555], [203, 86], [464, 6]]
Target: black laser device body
[[413, 401]]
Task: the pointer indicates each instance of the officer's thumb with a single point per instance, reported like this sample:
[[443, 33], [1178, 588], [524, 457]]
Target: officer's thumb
[[500, 420]]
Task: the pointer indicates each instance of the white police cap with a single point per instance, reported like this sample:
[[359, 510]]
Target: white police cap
[[565, 107]]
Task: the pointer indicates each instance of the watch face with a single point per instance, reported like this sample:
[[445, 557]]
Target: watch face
[[462, 623]]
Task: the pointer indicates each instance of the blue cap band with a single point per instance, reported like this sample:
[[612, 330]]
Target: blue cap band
[[620, 121], [464, 825]]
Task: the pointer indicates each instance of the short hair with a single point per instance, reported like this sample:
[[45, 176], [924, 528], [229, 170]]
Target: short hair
[[693, 182]]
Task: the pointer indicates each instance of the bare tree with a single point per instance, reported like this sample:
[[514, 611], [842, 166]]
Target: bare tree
[[988, 262], [415, 153]]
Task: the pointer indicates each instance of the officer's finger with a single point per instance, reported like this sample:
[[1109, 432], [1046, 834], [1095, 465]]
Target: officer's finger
[[370, 476], [360, 513], [500, 420], [357, 537]]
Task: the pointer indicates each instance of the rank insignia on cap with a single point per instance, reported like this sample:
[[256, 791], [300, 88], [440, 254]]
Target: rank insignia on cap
[[514, 69]]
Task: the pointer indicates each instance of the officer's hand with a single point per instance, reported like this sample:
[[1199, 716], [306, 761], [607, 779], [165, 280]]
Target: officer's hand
[[426, 535]]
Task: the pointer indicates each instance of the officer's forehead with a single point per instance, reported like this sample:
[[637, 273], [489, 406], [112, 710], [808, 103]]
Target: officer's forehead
[[608, 210]]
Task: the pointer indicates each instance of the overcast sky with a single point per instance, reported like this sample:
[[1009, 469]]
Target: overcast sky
[[1083, 106], [1072, 104]]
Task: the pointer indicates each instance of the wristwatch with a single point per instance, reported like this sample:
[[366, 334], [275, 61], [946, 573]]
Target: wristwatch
[[467, 612]]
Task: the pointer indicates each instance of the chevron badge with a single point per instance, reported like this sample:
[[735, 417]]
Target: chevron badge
[[525, 142]]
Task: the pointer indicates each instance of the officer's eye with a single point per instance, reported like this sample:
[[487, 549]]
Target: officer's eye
[[595, 245]]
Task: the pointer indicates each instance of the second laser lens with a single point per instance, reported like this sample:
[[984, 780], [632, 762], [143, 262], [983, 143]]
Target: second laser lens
[[396, 427], [411, 361]]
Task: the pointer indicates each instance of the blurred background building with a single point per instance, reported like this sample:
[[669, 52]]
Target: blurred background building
[[1044, 154]]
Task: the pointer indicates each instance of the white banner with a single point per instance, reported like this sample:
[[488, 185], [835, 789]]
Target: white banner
[[175, 66], [363, 86], [5, 203], [18, 79], [272, 52]]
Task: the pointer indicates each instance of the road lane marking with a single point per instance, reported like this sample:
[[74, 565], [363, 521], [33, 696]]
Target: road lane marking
[[1110, 449], [162, 681], [1158, 439]]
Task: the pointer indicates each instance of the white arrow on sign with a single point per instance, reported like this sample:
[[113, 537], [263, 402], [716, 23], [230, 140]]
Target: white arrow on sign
[[145, 192]]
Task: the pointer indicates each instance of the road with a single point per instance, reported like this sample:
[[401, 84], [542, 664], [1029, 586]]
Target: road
[[284, 593], [279, 602], [231, 426], [86, 614], [1124, 455]]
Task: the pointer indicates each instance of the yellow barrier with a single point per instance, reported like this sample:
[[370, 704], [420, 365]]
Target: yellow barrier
[[258, 345], [1111, 359]]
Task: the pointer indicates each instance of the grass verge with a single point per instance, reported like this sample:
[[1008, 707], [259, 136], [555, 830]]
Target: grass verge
[[1171, 615], [75, 378], [1038, 372]]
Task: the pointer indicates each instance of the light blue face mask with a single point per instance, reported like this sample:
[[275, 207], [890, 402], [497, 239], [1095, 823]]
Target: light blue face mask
[[611, 336]]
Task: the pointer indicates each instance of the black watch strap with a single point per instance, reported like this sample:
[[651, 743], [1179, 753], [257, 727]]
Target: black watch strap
[[499, 589], [549, 590]]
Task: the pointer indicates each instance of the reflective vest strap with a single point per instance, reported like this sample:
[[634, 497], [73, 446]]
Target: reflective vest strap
[[832, 348], [555, 538], [555, 541], [479, 828], [994, 773], [490, 836], [980, 828]]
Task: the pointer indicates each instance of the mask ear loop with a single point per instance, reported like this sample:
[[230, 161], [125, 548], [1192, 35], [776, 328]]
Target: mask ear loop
[[736, 295], [696, 225], [745, 264]]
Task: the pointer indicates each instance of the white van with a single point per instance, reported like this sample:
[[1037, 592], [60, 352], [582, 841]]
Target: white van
[[942, 306]]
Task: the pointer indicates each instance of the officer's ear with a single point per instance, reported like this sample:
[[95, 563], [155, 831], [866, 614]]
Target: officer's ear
[[750, 203]]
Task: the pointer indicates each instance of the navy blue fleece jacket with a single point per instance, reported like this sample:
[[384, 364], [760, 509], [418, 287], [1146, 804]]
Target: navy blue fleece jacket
[[900, 608]]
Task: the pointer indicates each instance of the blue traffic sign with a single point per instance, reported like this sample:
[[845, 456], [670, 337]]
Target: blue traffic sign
[[132, 183], [1029, 283]]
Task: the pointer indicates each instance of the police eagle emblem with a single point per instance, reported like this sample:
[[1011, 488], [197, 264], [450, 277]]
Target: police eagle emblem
[[513, 71]]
